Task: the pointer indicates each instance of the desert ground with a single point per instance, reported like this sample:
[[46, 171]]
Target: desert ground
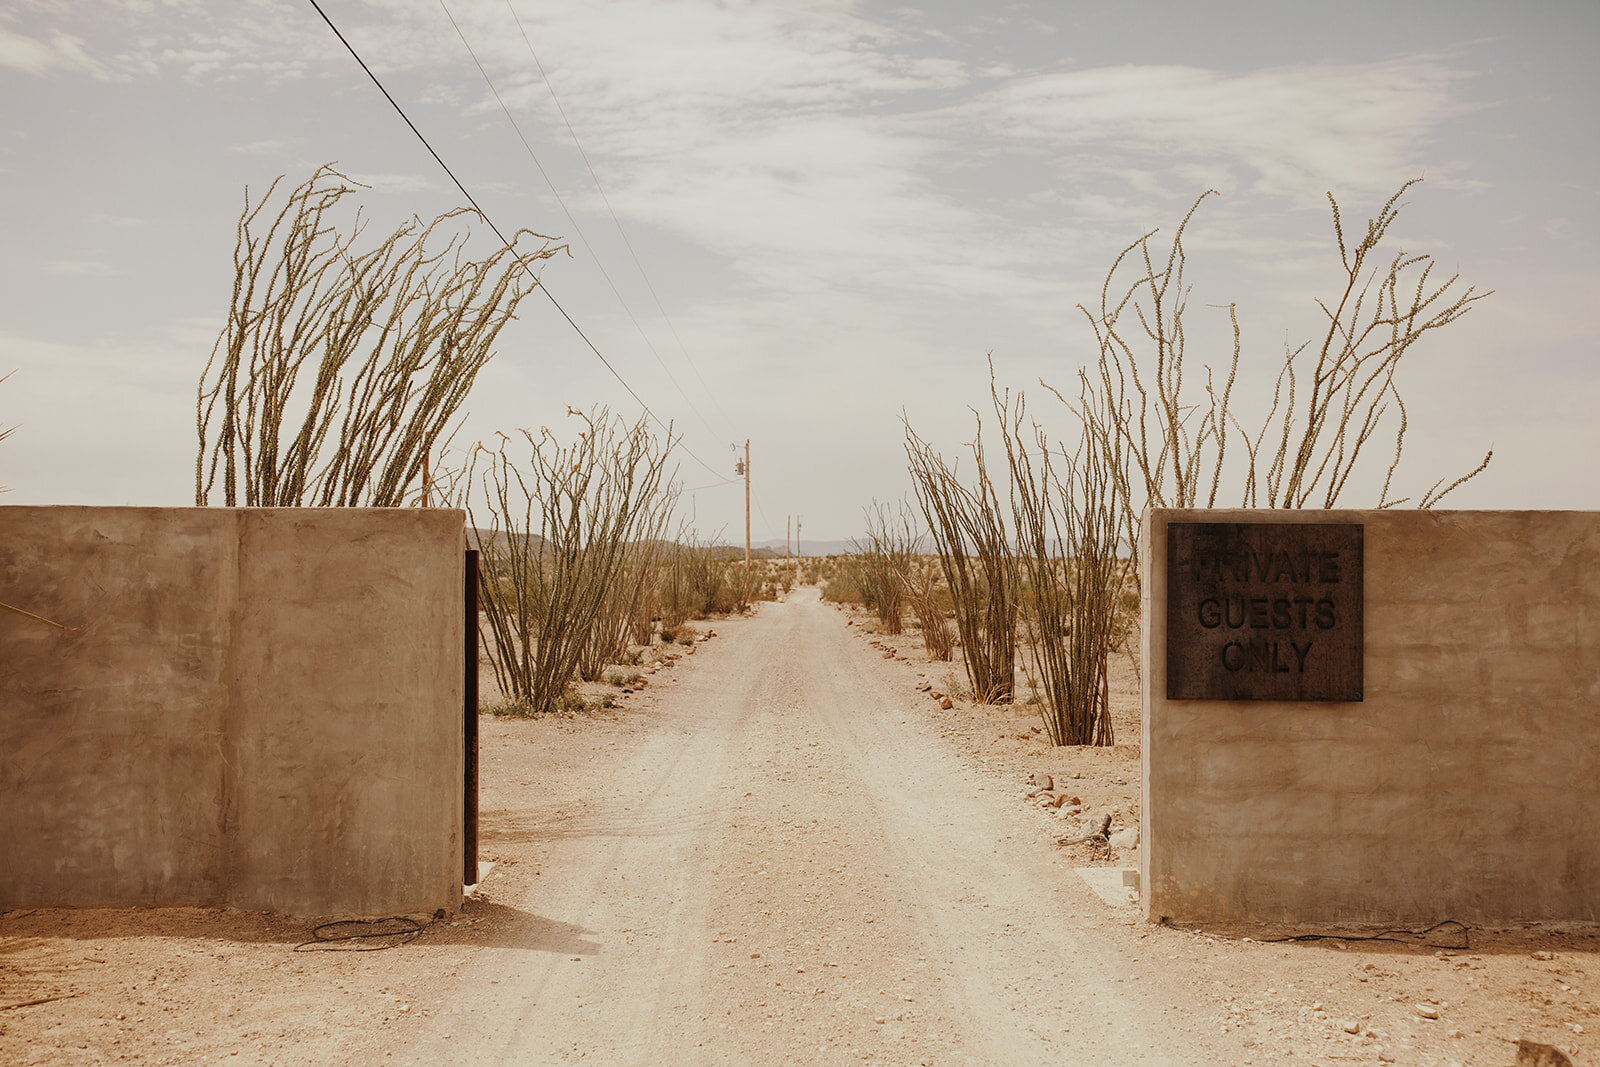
[[782, 849]]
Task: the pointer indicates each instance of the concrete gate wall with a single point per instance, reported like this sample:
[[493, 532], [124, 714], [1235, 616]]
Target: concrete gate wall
[[1465, 785], [256, 708]]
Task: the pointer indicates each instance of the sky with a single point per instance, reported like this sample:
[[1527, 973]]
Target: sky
[[806, 225]]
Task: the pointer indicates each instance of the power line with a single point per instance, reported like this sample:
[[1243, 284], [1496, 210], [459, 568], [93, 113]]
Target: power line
[[578, 229], [538, 282]]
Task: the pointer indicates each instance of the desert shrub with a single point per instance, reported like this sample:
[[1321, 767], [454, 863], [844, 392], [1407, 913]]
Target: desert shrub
[[842, 582], [883, 562]]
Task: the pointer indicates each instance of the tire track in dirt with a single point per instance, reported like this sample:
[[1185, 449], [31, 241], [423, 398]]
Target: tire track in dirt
[[999, 912], [790, 867], [627, 875]]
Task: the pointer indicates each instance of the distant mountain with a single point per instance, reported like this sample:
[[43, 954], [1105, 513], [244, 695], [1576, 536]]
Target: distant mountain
[[501, 541], [810, 547]]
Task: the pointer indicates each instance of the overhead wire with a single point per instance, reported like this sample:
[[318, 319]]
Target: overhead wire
[[538, 282], [577, 228]]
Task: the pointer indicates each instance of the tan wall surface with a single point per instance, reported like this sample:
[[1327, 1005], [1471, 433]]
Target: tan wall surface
[[1465, 785], [259, 708]]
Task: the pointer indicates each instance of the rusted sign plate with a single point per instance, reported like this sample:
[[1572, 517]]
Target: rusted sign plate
[[1264, 611]]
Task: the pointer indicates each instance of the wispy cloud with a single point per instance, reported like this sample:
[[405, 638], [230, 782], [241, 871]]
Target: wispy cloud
[[1292, 131], [270, 147], [45, 54]]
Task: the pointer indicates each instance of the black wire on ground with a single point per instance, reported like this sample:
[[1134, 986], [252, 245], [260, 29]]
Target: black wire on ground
[[352, 935]]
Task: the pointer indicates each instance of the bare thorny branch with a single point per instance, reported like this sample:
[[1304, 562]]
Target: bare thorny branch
[[571, 528], [339, 370], [1330, 399]]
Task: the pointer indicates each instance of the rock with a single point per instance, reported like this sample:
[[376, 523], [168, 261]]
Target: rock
[[1128, 838], [889, 654], [1534, 1054], [1043, 781], [1351, 1027], [1427, 1011], [1093, 828], [1058, 799], [944, 702], [1544, 955]]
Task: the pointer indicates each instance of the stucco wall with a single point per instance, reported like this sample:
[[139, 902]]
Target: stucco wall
[[1465, 785], [257, 708]]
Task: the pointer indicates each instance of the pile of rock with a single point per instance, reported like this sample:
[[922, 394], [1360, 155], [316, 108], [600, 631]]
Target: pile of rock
[[1095, 828], [888, 652], [943, 699]]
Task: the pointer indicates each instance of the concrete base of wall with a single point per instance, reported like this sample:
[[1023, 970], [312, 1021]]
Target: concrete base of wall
[[252, 708]]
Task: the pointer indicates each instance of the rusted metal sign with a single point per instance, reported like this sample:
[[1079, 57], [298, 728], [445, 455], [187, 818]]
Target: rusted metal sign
[[1264, 611]]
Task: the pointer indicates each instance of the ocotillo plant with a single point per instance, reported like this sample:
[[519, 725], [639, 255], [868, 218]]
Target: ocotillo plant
[[1067, 517], [560, 524], [1331, 397], [968, 531], [625, 614], [1151, 441], [922, 596], [340, 370]]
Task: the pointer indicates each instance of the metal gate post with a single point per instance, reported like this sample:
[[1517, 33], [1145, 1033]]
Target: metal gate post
[[469, 809]]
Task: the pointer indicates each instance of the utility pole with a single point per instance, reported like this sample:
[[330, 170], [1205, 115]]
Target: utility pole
[[744, 469], [786, 539]]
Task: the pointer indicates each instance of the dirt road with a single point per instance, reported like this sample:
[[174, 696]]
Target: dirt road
[[793, 867], [779, 852]]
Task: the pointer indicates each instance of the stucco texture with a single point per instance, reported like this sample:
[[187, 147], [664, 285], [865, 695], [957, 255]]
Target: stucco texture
[[253, 708], [1464, 785]]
